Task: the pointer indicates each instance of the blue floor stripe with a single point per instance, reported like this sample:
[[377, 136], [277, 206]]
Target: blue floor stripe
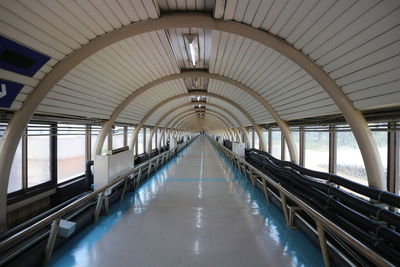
[[296, 244], [200, 179]]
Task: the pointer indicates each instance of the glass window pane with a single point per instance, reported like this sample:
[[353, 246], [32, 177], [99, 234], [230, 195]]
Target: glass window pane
[[349, 160], [265, 134], [147, 138], [118, 137], [397, 164], [15, 182], [256, 140], [296, 137], [316, 149], [153, 140], [129, 135], [276, 144], [381, 139], [71, 150], [93, 139], [251, 138], [158, 136], [140, 142], [38, 147]]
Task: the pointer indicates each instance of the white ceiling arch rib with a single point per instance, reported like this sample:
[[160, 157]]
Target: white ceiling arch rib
[[222, 124], [351, 40], [217, 124], [166, 101], [171, 123], [170, 112], [233, 120], [138, 98], [180, 116]]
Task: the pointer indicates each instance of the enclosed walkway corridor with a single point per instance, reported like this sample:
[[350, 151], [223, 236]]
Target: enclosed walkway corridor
[[198, 210]]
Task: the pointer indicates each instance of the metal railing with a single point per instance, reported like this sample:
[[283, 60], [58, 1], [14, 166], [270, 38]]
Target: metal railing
[[54, 219], [320, 220]]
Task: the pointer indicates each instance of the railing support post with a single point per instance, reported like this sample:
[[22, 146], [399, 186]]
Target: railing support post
[[284, 206], [124, 189], [252, 178], [138, 179], [265, 189], [322, 243], [51, 241], [98, 207]]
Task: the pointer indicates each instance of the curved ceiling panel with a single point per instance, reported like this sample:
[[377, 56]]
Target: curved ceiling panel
[[249, 103], [241, 117], [144, 102]]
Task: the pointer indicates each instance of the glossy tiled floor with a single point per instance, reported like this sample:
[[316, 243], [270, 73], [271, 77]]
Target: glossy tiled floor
[[196, 211]]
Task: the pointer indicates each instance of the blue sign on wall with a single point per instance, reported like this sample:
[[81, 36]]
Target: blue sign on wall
[[20, 59], [8, 92]]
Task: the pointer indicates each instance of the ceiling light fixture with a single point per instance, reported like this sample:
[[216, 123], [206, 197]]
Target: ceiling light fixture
[[193, 48]]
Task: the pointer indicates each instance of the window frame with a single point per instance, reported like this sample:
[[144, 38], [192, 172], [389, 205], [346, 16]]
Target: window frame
[[27, 192]]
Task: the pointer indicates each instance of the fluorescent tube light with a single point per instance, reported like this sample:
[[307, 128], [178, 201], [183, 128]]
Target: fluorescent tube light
[[193, 48]]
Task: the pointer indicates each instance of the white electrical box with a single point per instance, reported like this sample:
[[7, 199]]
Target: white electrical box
[[107, 167], [172, 143], [66, 228], [238, 149]]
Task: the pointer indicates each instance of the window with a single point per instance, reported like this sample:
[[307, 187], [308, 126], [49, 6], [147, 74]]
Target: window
[[131, 130], [71, 151], [95, 130], [265, 134], [38, 147], [380, 135], [256, 140], [316, 148], [147, 131], [349, 160], [118, 137], [397, 162], [140, 142], [296, 137], [164, 141], [276, 143], [15, 181], [158, 137], [154, 140], [251, 143]]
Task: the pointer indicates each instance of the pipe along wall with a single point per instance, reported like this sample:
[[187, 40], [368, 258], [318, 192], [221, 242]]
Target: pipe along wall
[[374, 225]]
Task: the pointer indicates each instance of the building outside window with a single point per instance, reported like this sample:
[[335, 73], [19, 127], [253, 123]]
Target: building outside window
[[15, 181], [316, 148], [131, 130], [349, 160], [118, 137], [276, 143], [380, 134], [140, 142], [256, 140], [95, 130], [154, 140], [350, 163], [71, 151], [251, 132], [147, 132], [38, 154], [266, 136], [296, 137]]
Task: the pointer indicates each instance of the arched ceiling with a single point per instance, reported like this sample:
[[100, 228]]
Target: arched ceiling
[[356, 42]]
